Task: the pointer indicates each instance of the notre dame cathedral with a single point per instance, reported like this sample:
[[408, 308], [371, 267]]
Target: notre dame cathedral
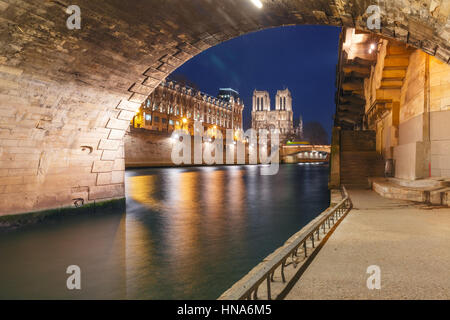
[[281, 118]]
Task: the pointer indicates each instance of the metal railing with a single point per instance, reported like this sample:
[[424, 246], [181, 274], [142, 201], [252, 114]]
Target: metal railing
[[302, 245]]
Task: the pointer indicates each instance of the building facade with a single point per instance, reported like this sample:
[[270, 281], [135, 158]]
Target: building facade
[[172, 106], [401, 95], [281, 118]]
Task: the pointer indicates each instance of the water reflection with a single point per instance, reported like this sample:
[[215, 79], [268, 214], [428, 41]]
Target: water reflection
[[212, 225], [189, 233]]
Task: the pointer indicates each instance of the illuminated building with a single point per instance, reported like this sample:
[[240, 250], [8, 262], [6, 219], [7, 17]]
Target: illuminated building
[[281, 118], [173, 106]]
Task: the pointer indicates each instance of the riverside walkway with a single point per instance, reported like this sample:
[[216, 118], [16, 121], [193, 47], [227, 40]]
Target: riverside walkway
[[410, 243]]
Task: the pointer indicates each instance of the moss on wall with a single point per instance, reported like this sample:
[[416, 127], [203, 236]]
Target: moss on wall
[[18, 220]]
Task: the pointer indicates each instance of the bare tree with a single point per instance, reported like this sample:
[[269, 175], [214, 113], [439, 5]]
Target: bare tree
[[183, 80], [315, 133]]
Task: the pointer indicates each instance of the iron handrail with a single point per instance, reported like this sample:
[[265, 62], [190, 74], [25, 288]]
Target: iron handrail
[[246, 288]]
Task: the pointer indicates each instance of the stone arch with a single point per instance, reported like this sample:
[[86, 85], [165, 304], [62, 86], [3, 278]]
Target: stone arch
[[68, 95]]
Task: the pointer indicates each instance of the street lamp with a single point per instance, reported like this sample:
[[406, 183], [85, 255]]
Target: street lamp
[[257, 3]]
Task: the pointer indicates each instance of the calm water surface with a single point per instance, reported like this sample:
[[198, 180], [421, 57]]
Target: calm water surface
[[188, 233]]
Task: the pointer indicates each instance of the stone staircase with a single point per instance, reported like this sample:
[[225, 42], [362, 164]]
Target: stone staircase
[[395, 64], [359, 159]]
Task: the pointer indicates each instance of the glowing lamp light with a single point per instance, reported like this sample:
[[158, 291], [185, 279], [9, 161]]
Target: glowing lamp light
[[257, 3], [372, 46], [184, 120]]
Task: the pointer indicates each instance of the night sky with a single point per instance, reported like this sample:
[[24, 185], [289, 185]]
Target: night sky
[[301, 58]]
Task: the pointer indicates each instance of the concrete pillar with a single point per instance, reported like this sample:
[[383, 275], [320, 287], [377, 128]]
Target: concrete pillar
[[426, 122], [335, 166]]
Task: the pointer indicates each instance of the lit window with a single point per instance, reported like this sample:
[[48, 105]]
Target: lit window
[[171, 122]]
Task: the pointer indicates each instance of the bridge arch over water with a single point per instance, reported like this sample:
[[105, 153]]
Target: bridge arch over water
[[67, 96]]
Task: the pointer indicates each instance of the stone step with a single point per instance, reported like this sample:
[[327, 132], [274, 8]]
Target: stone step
[[395, 67], [356, 185], [394, 73], [400, 60], [397, 50], [392, 83], [393, 79], [359, 158], [390, 87]]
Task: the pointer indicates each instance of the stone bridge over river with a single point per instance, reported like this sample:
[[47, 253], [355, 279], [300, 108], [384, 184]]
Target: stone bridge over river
[[67, 96]]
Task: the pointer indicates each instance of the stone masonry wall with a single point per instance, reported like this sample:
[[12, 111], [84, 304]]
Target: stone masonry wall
[[416, 140], [440, 118], [145, 148]]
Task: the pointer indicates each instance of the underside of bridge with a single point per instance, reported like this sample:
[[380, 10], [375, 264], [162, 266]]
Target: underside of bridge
[[67, 96]]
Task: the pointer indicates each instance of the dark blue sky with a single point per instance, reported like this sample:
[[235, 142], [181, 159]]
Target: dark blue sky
[[301, 58]]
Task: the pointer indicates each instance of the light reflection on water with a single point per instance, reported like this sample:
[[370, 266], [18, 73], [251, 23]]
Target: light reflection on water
[[189, 233]]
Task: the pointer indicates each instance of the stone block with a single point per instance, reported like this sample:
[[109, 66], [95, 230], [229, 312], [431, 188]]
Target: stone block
[[109, 155], [151, 82], [126, 115], [117, 124], [11, 180], [104, 178], [440, 129], [119, 165], [108, 191], [128, 105], [136, 97], [438, 197], [102, 166], [141, 89], [156, 74], [411, 131], [118, 177], [80, 193], [392, 191], [106, 144], [440, 147], [116, 134], [409, 161], [10, 70]]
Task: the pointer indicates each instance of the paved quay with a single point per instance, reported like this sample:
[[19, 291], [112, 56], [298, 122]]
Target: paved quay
[[410, 242]]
